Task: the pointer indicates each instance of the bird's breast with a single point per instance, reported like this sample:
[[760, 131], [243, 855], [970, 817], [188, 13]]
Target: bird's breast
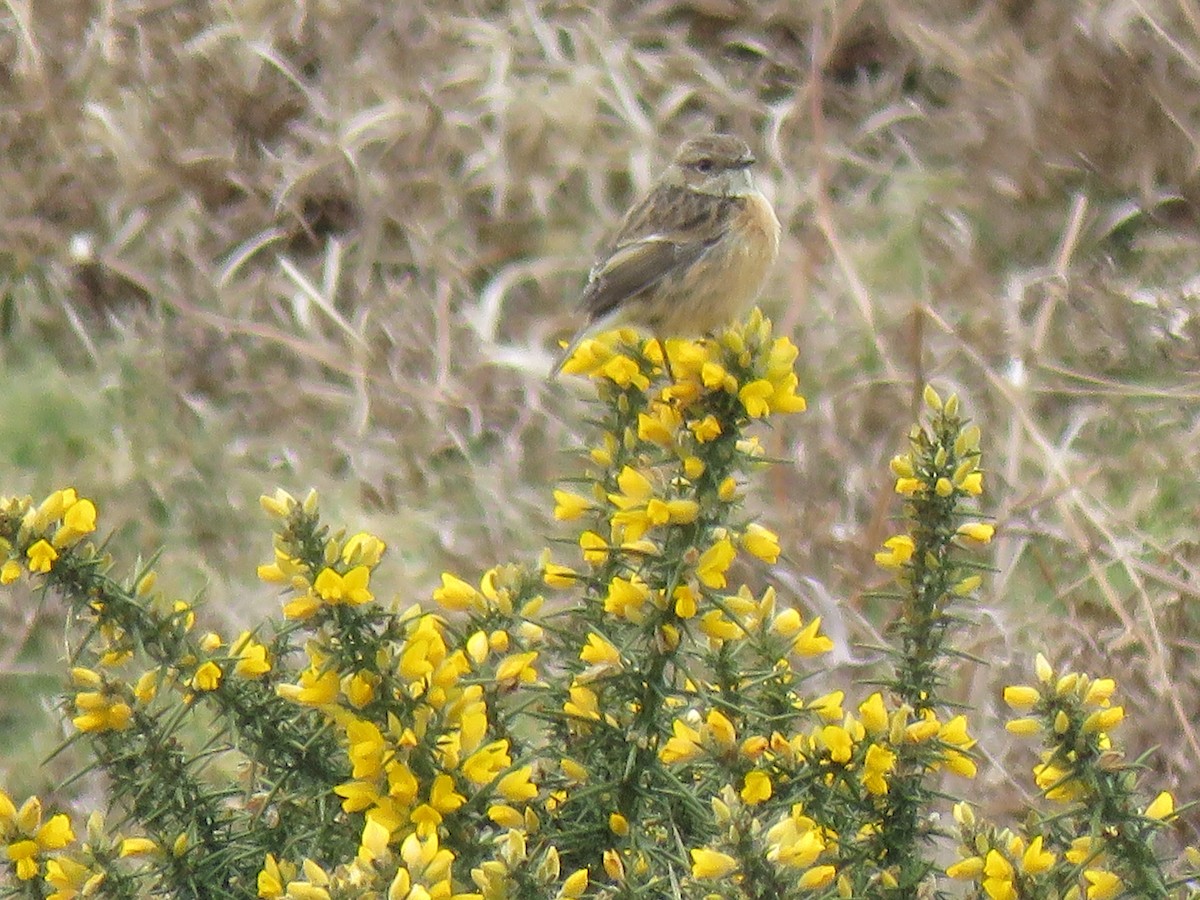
[[722, 283], [759, 224], [751, 248]]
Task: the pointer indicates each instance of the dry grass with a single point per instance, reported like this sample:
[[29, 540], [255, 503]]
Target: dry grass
[[334, 245]]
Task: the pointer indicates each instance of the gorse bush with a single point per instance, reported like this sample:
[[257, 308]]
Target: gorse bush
[[622, 718]]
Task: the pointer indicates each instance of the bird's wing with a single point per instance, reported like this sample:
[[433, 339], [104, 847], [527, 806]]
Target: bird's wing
[[665, 234]]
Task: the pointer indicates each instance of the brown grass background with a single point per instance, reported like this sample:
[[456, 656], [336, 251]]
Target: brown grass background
[[334, 245]]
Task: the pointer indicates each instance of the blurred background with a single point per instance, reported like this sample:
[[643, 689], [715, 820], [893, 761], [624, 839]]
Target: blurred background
[[334, 245]]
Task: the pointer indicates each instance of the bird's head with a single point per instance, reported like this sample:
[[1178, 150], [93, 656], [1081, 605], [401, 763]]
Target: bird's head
[[717, 164]]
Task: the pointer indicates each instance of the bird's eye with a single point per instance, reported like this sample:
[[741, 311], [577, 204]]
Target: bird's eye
[[704, 166]]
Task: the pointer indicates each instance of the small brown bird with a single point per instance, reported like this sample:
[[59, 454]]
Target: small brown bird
[[689, 257]]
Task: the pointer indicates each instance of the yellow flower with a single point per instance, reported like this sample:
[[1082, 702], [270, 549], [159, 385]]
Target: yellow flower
[[761, 542], [837, 741], [706, 429], [584, 704], [51, 509], [568, 506], [784, 398], [557, 576], [78, 520], [350, 588], [146, 687], [486, 763], [756, 396], [969, 868], [33, 836], [787, 623], [614, 867], [207, 677], [721, 730], [977, 531], [517, 786], [363, 549], [727, 489], [1023, 727], [687, 603], [101, 712], [810, 642], [878, 763], [626, 598], [998, 880], [660, 425], [955, 732], [302, 607], [618, 824], [967, 585], [10, 571], [714, 562], [712, 864], [599, 652], [80, 517], [279, 504], [506, 816], [594, 547], [455, 594], [899, 550], [932, 400], [1099, 692], [972, 484], [874, 714], [1020, 696], [517, 669], [252, 657], [682, 512], [445, 799], [284, 570], [136, 846], [684, 745], [316, 688], [795, 840], [71, 879], [1103, 885], [1104, 720], [623, 372], [1081, 850], [817, 877], [574, 885], [959, 763], [360, 688], [716, 626], [829, 706], [757, 788], [1036, 860], [923, 728], [713, 376], [273, 877], [1163, 807], [55, 834], [41, 557]]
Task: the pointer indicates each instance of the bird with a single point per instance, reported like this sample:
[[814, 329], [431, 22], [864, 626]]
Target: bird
[[691, 255]]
